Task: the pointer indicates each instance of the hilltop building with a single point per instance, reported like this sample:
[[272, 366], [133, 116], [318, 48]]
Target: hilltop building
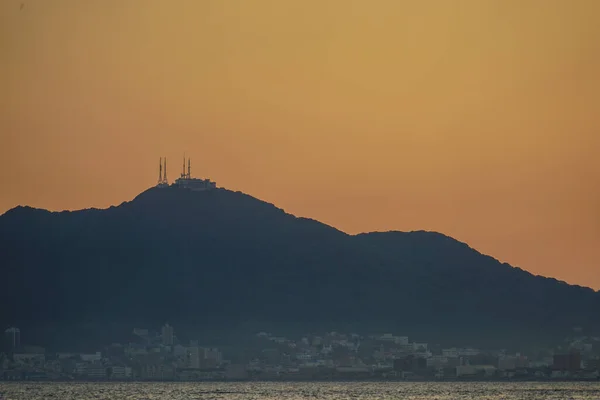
[[185, 180]]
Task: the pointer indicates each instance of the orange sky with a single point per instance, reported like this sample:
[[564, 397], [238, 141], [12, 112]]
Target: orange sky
[[479, 119]]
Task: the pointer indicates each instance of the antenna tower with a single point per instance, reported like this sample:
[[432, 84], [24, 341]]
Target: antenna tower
[[160, 175], [165, 180]]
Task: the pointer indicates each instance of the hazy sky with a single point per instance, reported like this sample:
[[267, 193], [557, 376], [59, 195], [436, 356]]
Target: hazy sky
[[479, 119]]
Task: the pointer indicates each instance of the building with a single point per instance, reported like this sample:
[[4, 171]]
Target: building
[[410, 364], [203, 357], [420, 347], [195, 356], [119, 372], [135, 350], [185, 181], [12, 337], [30, 358], [167, 335], [437, 361], [567, 362], [213, 356], [179, 351], [388, 337], [95, 371], [450, 353], [93, 357], [157, 371]]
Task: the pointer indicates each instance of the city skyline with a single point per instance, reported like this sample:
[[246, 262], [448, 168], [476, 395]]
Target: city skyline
[[486, 130], [327, 355]]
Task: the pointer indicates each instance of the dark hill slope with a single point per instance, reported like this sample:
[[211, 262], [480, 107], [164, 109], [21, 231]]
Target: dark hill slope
[[462, 283], [220, 258]]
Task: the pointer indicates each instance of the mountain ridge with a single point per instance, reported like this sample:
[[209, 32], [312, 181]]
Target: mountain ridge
[[26, 208], [168, 253], [362, 234]]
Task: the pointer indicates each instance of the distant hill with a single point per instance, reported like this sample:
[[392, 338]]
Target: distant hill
[[223, 259]]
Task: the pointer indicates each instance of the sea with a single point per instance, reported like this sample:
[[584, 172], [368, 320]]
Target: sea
[[294, 391]]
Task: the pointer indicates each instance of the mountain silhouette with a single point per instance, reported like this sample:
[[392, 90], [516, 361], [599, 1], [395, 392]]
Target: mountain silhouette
[[223, 259]]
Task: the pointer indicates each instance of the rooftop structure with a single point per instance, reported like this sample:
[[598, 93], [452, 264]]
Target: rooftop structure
[[186, 181]]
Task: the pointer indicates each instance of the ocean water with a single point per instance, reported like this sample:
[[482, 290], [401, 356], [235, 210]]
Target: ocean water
[[294, 391]]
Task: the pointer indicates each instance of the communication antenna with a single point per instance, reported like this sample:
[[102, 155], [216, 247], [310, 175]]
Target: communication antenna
[[160, 176], [166, 181]]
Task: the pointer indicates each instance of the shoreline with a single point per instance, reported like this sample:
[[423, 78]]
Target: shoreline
[[464, 380]]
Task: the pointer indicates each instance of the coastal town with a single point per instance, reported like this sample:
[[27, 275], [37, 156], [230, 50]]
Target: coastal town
[[161, 356]]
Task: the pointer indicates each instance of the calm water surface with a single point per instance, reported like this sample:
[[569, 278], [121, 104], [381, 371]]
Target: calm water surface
[[292, 391]]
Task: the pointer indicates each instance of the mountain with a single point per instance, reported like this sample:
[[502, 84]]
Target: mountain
[[224, 260]]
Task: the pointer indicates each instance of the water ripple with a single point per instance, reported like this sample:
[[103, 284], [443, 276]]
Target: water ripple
[[296, 391]]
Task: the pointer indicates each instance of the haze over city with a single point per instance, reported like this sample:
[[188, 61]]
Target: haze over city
[[478, 119]]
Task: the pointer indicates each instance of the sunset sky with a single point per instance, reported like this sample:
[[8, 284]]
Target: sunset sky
[[479, 119]]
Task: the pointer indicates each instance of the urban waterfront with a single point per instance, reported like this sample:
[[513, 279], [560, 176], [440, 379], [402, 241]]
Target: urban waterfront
[[333, 356], [285, 390]]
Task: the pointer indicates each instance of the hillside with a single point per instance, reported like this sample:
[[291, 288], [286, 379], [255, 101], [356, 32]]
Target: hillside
[[223, 259]]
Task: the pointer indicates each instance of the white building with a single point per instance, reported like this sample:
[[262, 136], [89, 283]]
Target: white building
[[388, 337], [450, 353], [420, 347], [91, 357], [462, 352], [401, 340]]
